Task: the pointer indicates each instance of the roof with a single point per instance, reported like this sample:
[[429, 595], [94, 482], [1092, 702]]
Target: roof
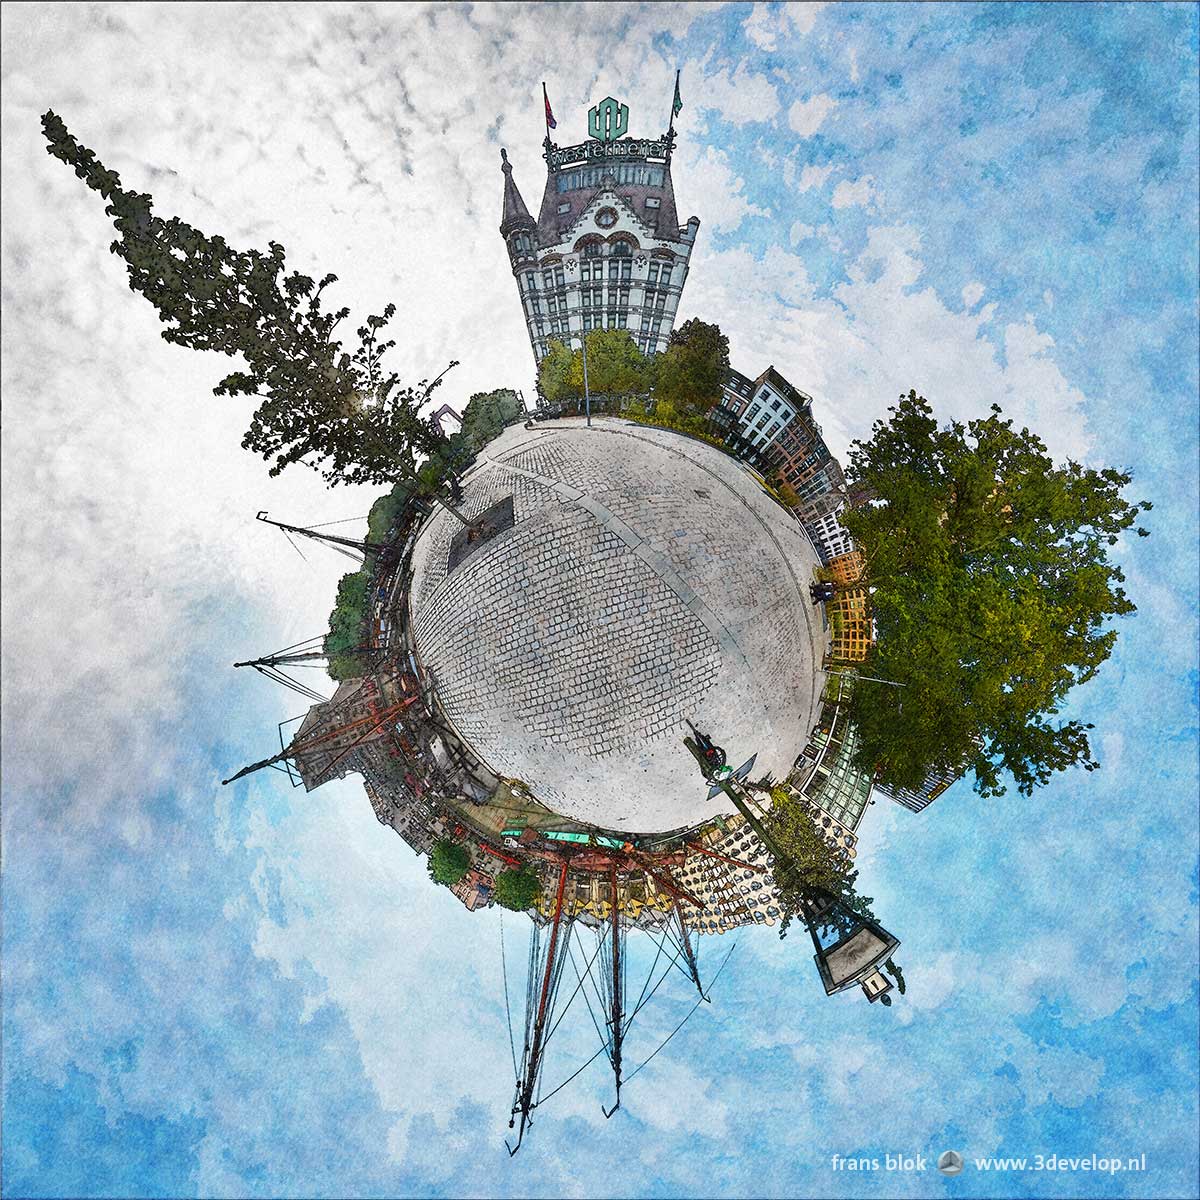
[[553, 226], [798, 398], [515, 215]]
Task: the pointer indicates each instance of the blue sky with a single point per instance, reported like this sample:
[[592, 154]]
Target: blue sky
[[252, 991]]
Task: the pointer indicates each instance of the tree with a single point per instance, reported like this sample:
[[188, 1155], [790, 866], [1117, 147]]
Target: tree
[[806, 867], [337, 412], [345, 636], [615, 366], [449, 862], [990, 588], [554, 374], [517, 890], [691, 372], [486, 415]]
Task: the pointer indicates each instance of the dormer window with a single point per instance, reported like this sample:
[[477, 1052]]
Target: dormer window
[[653, 202], [564, 208]]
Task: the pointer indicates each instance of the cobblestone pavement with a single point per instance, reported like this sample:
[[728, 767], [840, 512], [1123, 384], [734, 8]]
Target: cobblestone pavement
[[647, 581]]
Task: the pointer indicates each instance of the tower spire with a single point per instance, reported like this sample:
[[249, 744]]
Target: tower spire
[[515, 216]]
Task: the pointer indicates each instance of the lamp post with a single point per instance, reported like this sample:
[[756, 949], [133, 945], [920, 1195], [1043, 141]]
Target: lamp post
[[850, 948], [587, 396]]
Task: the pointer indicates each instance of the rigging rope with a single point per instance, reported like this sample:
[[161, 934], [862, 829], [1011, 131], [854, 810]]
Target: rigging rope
[[571, 950], [685, 1020], [507, 1011], [649, 977], [588, 1001], [294, 546], [542, 1099], [642, 1003]]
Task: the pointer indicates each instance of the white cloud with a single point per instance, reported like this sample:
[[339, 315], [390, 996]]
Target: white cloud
[[766, 25], [813, 176], [762, 27], [852, 55], [800, 231], [740, 95], [804, 15], [972, 294], [857, 193], [807, 116], [880, 335], [706, 173]]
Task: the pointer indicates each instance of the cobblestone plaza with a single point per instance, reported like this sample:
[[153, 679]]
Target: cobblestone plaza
[[647, 580]]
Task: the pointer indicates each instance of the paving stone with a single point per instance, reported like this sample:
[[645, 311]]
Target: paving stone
[[618, 607]]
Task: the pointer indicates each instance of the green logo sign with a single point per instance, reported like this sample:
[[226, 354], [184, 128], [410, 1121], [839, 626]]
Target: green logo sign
[[609, 120]]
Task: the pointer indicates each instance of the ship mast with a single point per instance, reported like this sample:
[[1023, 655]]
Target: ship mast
[[535, 1048], [616, 1016]]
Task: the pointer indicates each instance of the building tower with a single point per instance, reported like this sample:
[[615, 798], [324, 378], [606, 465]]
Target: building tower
[[607, 250]]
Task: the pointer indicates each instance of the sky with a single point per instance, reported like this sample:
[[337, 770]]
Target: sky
[[251, 991]]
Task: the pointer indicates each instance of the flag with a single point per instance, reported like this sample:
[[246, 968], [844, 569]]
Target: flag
[[677, 103], [551, 123]]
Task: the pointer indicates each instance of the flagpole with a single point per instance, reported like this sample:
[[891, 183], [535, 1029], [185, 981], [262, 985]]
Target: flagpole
[[671, 122]]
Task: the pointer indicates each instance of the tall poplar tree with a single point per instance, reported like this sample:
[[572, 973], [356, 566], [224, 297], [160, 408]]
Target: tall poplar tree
[[336, 410]]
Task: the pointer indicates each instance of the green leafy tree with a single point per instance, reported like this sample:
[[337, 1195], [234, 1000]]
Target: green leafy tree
[[806, 867], [894, 971], [554, 372], [517, 890], [344, 640], [690, 373], [335, 410], [449, 862], [486, 415], [991, 586], [615, 366]]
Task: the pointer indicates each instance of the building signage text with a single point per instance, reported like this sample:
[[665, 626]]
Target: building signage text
[[594, 150]]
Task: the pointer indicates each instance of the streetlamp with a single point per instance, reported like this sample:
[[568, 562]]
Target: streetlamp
[[587, 396], [850, 948]]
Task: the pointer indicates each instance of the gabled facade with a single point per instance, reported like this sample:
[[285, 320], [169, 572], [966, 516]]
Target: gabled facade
[[607, 250], [775, 422]]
